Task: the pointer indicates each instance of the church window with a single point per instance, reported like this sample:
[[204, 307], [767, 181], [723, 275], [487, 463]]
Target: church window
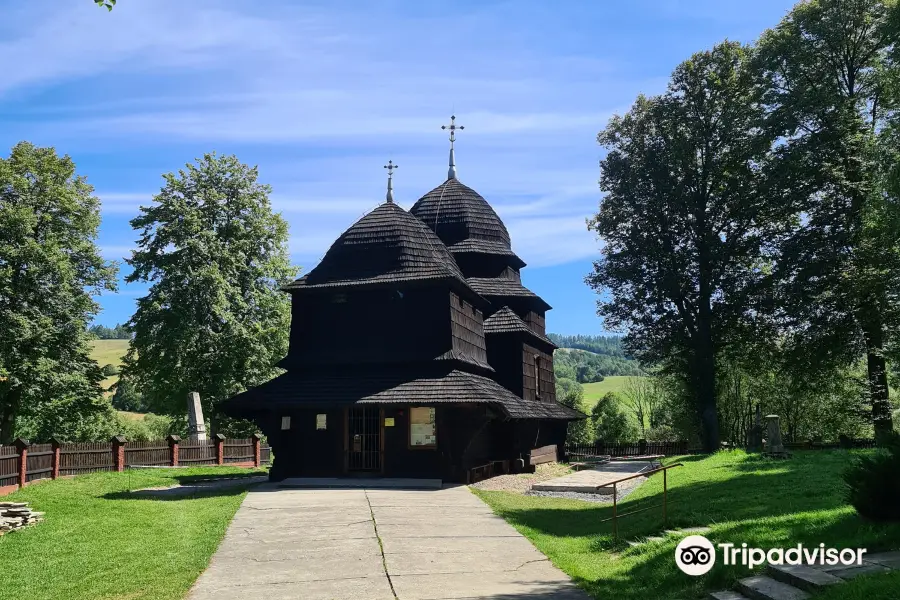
[[537, 376]]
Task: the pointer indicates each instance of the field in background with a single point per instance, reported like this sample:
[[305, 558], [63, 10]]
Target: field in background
[[109, 352], [593, 391]]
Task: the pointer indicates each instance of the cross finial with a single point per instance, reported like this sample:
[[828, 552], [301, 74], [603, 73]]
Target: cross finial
[[451, 174], [390, 169]]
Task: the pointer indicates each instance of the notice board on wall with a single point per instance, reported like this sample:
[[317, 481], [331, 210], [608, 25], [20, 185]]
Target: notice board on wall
[[422, 430]]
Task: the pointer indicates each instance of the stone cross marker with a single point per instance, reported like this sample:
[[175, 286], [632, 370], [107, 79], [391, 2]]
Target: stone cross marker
[[197, 428]]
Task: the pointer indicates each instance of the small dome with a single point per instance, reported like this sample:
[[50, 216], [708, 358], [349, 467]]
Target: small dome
[[463, 220], [387, 245]]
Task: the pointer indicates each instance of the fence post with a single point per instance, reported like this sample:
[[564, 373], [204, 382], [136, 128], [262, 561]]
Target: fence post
[[220, 448], [22, 446], [255, 437], [118, 450], [56, 445], [173, 450], [642, 447]]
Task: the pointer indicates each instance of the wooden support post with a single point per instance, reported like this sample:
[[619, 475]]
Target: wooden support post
[[255, 437], [22, 446], [220, 448], [56, 445], [173, 450], [118, 451]]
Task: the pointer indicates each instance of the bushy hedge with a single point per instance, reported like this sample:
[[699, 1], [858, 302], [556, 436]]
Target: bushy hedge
[[873, 483]]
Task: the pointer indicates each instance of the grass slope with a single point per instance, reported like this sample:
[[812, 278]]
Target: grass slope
[[97, 543], [745, 498], [593, 391], [107, 352]]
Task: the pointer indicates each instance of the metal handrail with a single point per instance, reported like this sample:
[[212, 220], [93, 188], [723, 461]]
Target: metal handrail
[[614, 484]]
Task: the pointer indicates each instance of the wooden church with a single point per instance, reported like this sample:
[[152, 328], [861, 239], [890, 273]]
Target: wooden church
[[415, 350]]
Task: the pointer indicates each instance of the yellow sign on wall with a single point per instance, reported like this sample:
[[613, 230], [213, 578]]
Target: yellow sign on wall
[[389, 421]]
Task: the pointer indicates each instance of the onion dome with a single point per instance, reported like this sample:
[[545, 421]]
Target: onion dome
[[464, 221], [387, 245]]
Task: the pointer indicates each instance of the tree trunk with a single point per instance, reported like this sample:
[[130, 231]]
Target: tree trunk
[[705, 381], [9, 408], [878, 385]]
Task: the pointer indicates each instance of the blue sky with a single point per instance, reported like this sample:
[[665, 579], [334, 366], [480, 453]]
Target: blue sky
[[320, 95]]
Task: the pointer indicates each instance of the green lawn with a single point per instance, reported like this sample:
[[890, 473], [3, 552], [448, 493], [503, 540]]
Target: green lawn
[[97, 543], [745, 498]]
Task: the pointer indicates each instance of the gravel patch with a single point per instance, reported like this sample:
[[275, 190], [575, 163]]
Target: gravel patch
[[520, 483]]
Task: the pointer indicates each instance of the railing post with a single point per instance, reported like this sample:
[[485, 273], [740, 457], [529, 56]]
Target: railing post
[[118, 450], [22, 446], [615, 518], [56, 445], [665, 493], [173, 450], [255, 437], [220, 448]]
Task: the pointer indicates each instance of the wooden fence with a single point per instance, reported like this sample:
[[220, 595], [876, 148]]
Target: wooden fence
[[22, 463], [639, 448], [642, 448]]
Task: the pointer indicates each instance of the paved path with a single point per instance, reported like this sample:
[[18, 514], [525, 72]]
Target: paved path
[[376, 544]]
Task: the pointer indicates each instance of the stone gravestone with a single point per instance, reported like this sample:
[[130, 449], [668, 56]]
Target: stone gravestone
[[755, 435], [774, 446], [197, 428]]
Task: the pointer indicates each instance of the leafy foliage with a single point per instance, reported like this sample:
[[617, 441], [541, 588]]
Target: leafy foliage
[[685, 217], [127, 397], [110, 370], [214, 320], [873, 482], [119, 332], [830, 89], [50, 269], [571, 394], [609, 423]]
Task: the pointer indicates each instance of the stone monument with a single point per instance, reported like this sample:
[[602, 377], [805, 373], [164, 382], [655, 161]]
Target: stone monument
[[196, 426], [774, 446], [755, 435]]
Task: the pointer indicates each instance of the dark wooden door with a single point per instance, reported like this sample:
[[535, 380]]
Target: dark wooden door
[[364, 439]]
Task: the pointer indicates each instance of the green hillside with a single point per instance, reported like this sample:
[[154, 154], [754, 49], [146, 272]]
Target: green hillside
[[594, 391], [107, 352]]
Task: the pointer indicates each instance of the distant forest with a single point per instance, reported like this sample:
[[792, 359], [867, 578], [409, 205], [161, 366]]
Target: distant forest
[[119, 332], [590, 358]]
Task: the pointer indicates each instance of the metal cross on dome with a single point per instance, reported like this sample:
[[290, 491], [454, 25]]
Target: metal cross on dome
[[390, 169], [453, 127]]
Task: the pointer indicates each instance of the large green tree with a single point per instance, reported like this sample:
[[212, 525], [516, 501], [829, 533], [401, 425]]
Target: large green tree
[[827, 68], [214, 320], [50, 269], [685, 219]]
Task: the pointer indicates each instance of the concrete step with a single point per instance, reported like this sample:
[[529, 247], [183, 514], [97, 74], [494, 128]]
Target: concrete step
[[761, 587], [802, 576], [727, 595]]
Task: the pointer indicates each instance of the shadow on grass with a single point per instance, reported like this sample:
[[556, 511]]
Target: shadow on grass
[[764, 502], [200, 487]]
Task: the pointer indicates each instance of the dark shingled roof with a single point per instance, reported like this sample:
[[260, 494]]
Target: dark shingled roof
[[503, 287], [507, 321], [323, 389], [387, 245], [464, 220]]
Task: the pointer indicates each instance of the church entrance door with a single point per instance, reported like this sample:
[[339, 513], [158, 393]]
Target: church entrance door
[[364, 440]]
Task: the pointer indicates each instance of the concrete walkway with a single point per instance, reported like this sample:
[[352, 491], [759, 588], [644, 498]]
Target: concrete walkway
[[376, 544]]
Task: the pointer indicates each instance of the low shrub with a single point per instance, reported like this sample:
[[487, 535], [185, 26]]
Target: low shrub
[[873, 482], [110, 370]]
